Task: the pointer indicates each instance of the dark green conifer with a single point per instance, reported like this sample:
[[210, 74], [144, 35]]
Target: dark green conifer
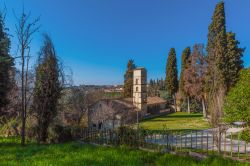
[[6, 65], [171, 73], [128, 79], [216, 49], [47, 91], [185, 55], [234, 60]]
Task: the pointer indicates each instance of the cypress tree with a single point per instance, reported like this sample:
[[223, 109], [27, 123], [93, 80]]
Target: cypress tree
[[128, 79], [216, 49], [6, 65], [171, 73], [217, 64], [48, 86], [185, 55], [234, 59]]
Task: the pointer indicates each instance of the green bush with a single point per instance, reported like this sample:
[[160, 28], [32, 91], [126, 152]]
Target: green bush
[[195, 106], [237, 103], [59, 134], [10, 128], [245, 135], [127, 136]]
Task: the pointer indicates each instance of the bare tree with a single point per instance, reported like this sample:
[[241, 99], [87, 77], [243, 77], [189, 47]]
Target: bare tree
[[194, 76], [25, 29]]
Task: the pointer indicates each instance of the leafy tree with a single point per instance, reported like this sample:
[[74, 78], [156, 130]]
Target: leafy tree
[[237, 103], [48, 87], [171, 73], [6, 65], [234, 59], [185, 55], [128, 79]]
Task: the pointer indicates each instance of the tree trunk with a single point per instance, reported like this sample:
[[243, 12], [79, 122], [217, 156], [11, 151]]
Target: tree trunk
[[204, 109], [23, 102], [188, 105], [175, 106]]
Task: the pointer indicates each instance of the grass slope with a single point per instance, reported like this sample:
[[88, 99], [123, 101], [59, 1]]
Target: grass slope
[[74, 153], [177, 121]]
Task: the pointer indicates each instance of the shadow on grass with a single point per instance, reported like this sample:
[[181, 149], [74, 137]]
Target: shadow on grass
[[172, 116], [169, 131], [184, 116]]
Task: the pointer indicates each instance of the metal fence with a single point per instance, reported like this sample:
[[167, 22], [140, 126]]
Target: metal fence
[[205, 141]]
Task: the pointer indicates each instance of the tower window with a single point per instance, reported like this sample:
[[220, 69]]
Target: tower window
[[136, 81], [136, 89]]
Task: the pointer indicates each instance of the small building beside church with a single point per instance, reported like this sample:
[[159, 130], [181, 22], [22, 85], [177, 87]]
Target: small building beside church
[[112, 113]]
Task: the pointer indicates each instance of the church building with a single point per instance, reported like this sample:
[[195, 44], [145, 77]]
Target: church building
[[112, 113]]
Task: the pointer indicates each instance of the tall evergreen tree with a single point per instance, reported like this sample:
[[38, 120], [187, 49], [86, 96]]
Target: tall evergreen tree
[[6, 65], [216, 49], [171, 73], [185, 55], [217, 62], [128, 79], [48, 86], [234, 59]]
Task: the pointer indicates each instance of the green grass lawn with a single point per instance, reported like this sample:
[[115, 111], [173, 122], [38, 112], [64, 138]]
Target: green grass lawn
[[75, 153], [180, 121]]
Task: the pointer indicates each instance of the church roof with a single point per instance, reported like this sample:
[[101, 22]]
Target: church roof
[[155, 100], [150, 100]]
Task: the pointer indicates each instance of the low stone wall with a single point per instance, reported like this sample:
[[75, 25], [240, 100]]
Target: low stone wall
[[162, 112]]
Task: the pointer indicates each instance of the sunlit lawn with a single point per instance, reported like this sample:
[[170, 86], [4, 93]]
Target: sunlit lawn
[[176, 121], [76, 153]]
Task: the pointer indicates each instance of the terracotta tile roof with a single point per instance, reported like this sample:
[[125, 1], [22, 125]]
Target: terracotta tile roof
[[155, 100], [150, 100]]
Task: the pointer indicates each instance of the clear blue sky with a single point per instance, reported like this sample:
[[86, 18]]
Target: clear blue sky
[[95, 38]]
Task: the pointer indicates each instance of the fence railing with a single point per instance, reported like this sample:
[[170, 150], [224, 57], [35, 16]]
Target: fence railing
[[204, 141]]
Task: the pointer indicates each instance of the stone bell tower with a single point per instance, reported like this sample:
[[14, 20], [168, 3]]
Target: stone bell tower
[[140, 89]]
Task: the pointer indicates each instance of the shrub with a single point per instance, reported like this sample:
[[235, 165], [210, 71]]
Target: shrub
[[127, 136], [195, 106], [58, 134], [10, 128], [245, 135], [237, 103]]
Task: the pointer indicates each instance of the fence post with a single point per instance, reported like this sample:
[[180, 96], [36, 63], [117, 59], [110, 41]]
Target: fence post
[[151, 137], [185, 140], [225, 143], [101, 136], [196, 139], [238, 145], [181, 140], [155, 138], [202, 140], [213, 140], [172, 146], [90, 132], [231, 145], [176, 141], [191, 141], [207, 142], [167, 140], [245, 150]]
